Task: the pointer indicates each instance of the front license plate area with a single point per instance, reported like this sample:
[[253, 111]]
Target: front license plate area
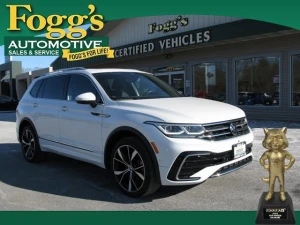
[[239, 150]]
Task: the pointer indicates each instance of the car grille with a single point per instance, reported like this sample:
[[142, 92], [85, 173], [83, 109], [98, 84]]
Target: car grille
[[189, 163], [221, 131]]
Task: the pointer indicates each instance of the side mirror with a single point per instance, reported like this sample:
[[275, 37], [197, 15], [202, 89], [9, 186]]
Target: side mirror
[[87, 98]]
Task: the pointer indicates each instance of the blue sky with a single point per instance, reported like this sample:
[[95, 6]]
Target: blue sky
[[33, 61]]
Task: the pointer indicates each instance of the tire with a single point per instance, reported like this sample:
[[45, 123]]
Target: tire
[[139, 168], [30, 146]]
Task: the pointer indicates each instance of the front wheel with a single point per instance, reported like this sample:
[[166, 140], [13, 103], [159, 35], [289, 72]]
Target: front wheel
[[132, 167]]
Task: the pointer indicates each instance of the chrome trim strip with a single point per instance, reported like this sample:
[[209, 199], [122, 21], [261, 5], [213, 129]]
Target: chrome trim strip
[[241, 124], [217, 129], [66, 145], [222, 122], [216, 135]]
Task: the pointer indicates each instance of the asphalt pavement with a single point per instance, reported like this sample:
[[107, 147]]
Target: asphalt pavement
[[65, 184]]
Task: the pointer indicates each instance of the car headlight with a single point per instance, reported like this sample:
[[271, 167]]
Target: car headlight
[[179, 130]]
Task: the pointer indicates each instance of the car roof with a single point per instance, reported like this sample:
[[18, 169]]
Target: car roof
[[106, 70], [92, 71]]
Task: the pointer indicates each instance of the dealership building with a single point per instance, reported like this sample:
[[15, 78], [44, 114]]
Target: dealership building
[[251, 64]]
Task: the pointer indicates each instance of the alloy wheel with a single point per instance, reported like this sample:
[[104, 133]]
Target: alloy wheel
[[28, 144], [129, 168]]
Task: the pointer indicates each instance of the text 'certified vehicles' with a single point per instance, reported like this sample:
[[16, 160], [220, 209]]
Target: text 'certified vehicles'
[[133, 124]]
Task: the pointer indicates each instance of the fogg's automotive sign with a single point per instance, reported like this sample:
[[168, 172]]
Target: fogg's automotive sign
[[57, 41], [165, 43]]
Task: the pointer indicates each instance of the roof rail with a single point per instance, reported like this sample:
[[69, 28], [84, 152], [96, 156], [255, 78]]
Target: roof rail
[[71, 68], [64, 69]]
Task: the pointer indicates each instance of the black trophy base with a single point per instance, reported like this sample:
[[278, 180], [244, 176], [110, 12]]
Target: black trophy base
[[275, 211]]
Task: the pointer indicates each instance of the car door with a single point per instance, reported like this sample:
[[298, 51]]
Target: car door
[[80, 124], [49, 100]]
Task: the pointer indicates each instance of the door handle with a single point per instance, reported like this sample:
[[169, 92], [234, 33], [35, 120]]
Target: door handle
[[64, 108], [35, 105]]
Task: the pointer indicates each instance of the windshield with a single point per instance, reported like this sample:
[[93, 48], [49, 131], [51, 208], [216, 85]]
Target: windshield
[[132, 85]]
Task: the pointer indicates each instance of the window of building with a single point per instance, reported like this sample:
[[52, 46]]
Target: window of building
[[55, 87], [210, 81], [258, 81], [295, 80]]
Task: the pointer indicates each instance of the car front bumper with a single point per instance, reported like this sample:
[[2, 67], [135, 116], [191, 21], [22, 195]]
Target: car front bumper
[[210, 158], [205, 173]]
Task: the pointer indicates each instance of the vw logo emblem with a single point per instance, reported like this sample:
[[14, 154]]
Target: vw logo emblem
[[233, 129]]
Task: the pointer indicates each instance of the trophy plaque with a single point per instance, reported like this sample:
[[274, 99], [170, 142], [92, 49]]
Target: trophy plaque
[[275, 207]]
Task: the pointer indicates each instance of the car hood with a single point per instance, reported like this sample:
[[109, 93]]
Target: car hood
[[183, 109]]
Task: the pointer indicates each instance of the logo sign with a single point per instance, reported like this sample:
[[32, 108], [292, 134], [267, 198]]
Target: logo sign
[[57, 41], [168, 26], [233, 129]]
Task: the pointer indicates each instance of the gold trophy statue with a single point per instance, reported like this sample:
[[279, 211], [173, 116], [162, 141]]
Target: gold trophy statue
[[280, 207], [275, 141]]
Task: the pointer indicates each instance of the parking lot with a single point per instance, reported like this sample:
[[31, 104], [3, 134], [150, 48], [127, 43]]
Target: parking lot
[[65, 184]]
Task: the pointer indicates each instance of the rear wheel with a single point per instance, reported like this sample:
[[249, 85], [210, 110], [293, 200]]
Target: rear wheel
[[132, 167], [30, 145]]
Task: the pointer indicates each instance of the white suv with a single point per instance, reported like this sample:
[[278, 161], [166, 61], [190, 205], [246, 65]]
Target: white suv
[[135, 125]]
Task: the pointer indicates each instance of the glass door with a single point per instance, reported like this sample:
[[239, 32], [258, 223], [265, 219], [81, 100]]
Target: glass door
[[174, 76], [164, 78], [175, 79]]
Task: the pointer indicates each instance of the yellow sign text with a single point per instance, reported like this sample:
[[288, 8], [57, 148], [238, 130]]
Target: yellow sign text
[[88, 53], [53, 22]]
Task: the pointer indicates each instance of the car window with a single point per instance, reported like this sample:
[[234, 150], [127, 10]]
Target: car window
[[55, 87], [134, 85], [80, 84], [39, 95], [35, 89]]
